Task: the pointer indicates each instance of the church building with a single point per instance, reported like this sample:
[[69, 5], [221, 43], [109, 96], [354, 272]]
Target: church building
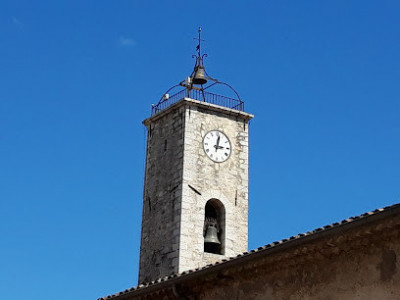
[[194, 240]]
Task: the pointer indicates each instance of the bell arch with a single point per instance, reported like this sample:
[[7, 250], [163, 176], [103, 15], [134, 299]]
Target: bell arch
[[214, 227]]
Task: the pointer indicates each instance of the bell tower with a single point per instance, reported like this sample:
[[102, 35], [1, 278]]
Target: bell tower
[[195, 199]]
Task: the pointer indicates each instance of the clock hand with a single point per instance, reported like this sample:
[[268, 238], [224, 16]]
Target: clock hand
[[217, 145]]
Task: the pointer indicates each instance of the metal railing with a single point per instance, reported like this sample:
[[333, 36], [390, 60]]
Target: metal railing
[[201, 96]]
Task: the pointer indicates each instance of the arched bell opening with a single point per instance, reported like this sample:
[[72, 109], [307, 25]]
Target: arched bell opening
[[214, 227]]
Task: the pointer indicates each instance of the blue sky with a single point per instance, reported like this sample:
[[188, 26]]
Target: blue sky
[[78, 77]]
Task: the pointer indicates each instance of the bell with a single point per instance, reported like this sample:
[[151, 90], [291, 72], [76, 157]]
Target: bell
[[199, 77], [211, 235]]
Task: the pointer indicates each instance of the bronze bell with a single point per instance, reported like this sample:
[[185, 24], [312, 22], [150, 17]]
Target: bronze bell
[[199, 77], [211, 235]]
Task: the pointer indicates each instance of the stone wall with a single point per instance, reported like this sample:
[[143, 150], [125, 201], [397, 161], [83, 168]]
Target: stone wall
[[365, 268], [204, 179], [162, 196], [180, 179]]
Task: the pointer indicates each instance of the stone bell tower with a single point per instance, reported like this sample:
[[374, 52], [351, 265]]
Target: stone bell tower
[[195, 200]]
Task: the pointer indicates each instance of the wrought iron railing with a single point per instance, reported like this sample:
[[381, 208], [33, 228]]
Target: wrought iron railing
[[201, 96]]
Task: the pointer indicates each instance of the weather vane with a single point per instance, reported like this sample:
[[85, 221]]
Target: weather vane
[[198, 47]]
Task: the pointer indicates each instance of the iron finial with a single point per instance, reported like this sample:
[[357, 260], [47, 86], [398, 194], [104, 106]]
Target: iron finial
[[198, 47]]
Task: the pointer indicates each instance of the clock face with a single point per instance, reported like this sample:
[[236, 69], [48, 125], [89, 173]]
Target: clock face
[[217, 146]]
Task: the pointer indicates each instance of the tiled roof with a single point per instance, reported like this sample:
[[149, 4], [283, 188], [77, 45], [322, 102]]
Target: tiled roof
[[363, 217]]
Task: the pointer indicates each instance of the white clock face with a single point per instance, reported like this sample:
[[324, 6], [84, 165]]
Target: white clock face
[[217, 146]]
